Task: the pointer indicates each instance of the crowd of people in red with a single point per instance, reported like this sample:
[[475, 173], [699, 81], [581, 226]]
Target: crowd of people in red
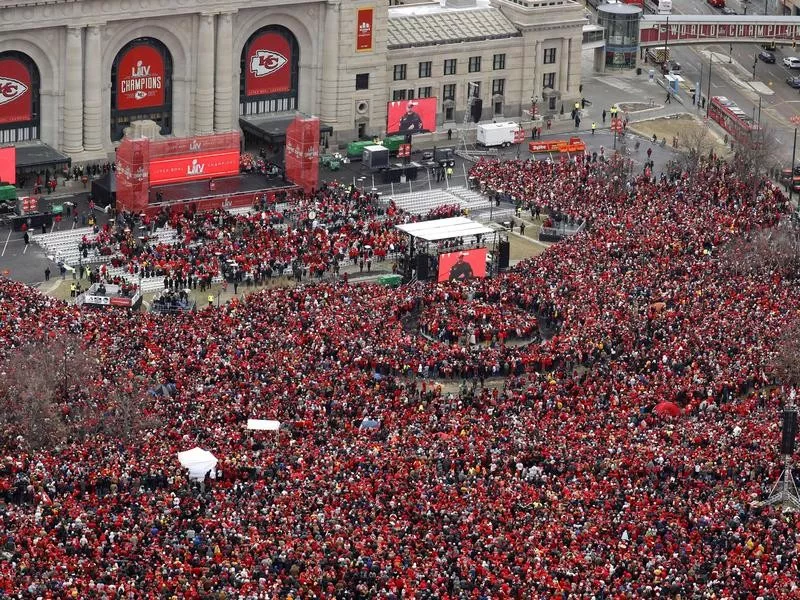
[[555, 482]]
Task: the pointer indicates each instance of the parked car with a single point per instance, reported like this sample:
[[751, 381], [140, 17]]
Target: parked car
[[766, 56], [792, 62], [727, 10], [717, 3], [793, 82]]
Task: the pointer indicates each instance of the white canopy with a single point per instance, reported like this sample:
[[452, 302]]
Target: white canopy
[[263, 424], [444, 229], [198, 461]]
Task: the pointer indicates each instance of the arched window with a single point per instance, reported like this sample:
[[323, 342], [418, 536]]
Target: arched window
[[270, 71], [20, 109], [141, 86]]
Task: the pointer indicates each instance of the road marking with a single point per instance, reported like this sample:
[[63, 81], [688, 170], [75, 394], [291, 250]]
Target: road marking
[[25, 249], [6, 244]]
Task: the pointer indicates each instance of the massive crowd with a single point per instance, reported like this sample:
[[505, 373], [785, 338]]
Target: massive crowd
[[556, 481]]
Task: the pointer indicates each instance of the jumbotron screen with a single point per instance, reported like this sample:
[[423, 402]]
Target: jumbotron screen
[[411, 116], [8, 165], [462, 265]]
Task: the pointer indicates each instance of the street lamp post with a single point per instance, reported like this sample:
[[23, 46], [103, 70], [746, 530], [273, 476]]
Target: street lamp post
[[708, 93]]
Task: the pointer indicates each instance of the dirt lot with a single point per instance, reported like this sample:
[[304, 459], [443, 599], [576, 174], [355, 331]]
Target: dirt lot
[[682, 126]]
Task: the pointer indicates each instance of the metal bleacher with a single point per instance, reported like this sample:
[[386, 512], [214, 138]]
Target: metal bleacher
[[63, 245], [478, 206]]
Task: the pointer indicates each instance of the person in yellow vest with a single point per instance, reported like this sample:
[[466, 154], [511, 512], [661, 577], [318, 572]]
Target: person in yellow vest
[[211, 299], [577, 106], [594, 126], [72, 289]]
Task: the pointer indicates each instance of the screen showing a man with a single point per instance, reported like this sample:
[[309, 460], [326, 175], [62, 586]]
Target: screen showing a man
[[461, 269], [411, 122], [411, 117], [463, 265]]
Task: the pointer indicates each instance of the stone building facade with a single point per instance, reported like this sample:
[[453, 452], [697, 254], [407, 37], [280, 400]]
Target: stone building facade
[[74, 73]]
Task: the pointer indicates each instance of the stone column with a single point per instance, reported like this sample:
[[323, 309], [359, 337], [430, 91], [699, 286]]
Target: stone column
[[563, 72], [204, 79], [223, 81], [73, 92], [93, 93], [537, 72], [329, 97]]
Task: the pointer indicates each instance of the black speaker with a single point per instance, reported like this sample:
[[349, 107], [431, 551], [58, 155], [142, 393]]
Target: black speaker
[[505, 254], [422, 267], [788, 432], [477, 109]]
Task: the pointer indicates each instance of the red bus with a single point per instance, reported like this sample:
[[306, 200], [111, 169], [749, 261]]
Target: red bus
[[732, 118]]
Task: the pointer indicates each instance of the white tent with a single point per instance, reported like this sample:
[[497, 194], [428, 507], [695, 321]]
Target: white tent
[[263, 424], [198, 461]]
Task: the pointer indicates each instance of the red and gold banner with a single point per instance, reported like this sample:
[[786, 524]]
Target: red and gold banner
[[140, 78], [194, 166], [15, 92], [364, 20]]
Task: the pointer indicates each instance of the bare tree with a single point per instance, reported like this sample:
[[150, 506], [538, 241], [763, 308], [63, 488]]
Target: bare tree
[[696, 143], [38, 382], [755, 156], [126, 413], [786, 363], [773, 249]]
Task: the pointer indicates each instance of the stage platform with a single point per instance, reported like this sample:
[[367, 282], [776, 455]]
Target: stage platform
[[229, 192], [224, 186]]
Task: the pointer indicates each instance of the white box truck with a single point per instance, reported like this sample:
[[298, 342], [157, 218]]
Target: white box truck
[[497, 134]]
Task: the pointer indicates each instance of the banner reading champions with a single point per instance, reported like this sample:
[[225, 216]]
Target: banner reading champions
[[269, 65], [16, 96], [140, 78]]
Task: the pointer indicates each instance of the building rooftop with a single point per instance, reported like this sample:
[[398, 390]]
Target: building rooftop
[[432, 24]]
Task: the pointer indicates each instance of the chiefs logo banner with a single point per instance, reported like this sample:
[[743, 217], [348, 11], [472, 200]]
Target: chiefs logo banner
[[364, 30], [140, 78], [269, 65], [15, 92]]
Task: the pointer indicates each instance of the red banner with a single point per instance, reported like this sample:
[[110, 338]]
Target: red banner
[[140, 78], [411, 116], [8, 165], [364, 30], [460, 266], [194, 166], [302, 153], [15, 91], [269, 65]]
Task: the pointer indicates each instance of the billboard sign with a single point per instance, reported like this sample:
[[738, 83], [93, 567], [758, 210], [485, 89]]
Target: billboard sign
[[269, 65], [8, 165], [140, 78], [411, 116], [461, 266], [189, 167], [16, 103], [364, 30]]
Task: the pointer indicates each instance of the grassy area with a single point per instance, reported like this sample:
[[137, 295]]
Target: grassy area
[[679, 125]]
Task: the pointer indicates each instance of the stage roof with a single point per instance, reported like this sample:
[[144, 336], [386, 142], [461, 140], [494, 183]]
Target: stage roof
[[444, 229]]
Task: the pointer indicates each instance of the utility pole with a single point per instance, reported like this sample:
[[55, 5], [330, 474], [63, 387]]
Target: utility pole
[[708, 94], [755, 62], [791, 172]]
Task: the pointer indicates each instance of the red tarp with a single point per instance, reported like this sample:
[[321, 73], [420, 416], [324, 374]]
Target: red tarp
[[302, 153]]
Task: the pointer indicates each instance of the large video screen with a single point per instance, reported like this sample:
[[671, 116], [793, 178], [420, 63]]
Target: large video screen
[[463, 265], [8, 165], [411, 116]]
